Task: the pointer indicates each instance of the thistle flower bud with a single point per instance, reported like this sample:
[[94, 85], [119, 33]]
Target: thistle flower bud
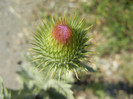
[[62, 33], [60, 45]]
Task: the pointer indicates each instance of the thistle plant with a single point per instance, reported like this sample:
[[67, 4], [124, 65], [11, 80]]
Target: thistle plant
[[59, 45]]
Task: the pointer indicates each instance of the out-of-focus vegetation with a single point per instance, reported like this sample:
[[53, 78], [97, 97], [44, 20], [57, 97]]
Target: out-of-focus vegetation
[[126, 68], [36, 85], [113, 19], [4, 93]]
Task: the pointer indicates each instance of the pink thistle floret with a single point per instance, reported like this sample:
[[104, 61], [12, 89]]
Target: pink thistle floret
[[62, 33]]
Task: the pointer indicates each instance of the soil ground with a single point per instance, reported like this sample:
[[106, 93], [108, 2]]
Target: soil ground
[[15, 24]]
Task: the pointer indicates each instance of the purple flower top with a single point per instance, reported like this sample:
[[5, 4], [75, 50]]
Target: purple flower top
[[62, 33]]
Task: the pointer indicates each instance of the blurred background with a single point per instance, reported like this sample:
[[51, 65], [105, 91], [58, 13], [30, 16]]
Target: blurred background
[[113, 41]]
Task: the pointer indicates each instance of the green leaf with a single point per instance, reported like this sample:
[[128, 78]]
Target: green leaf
[[60, 86], [4, 93]]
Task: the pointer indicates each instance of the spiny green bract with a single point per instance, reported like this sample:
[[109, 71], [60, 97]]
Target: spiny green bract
[[58, 53]]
